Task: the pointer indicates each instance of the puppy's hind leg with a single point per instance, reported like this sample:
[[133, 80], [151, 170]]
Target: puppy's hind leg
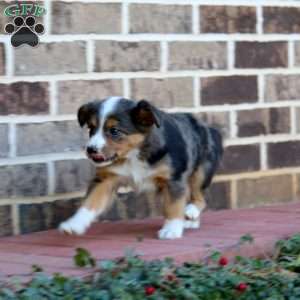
[[99, 197], [197, 201], [174, 204]]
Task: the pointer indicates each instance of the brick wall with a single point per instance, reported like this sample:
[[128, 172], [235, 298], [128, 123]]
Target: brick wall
[[235, 64]]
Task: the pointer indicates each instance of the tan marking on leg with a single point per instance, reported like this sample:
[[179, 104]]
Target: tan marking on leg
[[195, 182], [173, 208], [100, 195]]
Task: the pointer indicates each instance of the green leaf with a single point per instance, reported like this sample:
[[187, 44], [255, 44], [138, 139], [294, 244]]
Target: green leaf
[[36, 268], [83, 258], [107, 264], [247, 238], [215, 256]]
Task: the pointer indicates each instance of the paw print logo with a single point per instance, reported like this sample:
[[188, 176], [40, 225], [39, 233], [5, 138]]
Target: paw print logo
[[24, 31]]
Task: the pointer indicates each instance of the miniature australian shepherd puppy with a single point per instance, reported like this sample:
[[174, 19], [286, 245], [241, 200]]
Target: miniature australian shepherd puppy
[[172, 154]]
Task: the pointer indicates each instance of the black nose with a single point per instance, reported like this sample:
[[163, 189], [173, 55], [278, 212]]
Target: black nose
[[91, 150]]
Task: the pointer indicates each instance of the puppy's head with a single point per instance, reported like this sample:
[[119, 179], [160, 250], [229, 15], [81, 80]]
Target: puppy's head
[[116, 126]]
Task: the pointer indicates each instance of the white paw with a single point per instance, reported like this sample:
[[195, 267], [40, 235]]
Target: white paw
[[192, 212], [72, 227], [192, 224], [172, 229], [79, 223]]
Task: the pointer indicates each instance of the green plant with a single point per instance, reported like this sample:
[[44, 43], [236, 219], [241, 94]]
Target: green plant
[[288, 253], [131, 278]]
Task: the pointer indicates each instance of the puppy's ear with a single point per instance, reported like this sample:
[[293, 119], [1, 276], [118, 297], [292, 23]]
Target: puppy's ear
[[85, 112], [145, 115]]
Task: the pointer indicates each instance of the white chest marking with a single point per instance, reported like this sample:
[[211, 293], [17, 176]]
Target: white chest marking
[[136, 169]]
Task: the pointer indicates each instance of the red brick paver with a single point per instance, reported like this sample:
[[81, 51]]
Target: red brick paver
[[220, 230]]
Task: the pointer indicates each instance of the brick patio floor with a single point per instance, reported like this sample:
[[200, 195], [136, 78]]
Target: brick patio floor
[[220, 230]]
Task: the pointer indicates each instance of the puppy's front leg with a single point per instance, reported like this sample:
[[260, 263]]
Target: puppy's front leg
[[174, 204], [100, 196]]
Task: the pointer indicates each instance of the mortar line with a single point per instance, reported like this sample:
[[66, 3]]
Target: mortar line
[[164, 56], [196, 19], [51, 177], [48, 17], [137, 37], [126, 88], [12, 140], [90, 55], [261, 87], [257, 174], [293, 121], [53, 98], [9, 59], [125, 17], [291, 54], [150, 74], [295, 186], [259, 19], [233, 124], [18, 119], [15, 218], [233, 194], [196, 92], [231, 55], [263, 156], [42, 199]]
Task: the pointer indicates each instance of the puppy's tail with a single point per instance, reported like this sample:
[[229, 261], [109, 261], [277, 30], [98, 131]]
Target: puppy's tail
[[214, 155]]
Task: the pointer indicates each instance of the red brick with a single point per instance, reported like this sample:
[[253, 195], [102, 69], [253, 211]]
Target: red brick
[[228, 19], [263, 121], [219, 120], [73, 175], [242, 158], [26, 180], [281, 19], [113, 56], [297, 54], [265, 190], [229, 90], [4, 146], [24, 98], [82, 18], [284, 154], [197, 55], [50, 137], [168, 92], [6, 226], [153, 18], [218, 195], [282, 87], [51, 58], [261, 54], [74, 93]]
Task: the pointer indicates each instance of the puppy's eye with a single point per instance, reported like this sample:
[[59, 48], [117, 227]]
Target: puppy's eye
[[114, 132]]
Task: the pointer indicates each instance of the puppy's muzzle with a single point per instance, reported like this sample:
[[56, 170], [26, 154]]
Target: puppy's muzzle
[[97, 157]]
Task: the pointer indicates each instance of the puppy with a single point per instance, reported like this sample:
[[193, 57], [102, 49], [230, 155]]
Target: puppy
[[172, 154]]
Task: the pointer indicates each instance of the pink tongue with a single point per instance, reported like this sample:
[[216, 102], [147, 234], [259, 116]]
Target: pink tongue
[[98, 157]]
